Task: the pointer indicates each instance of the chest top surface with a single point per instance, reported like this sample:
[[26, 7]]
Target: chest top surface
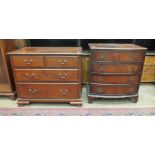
[[47, 51], [116, 46]]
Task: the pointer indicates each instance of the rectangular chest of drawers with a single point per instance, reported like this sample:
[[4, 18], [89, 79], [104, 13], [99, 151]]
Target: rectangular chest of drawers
[[115, 71], [47, 74]]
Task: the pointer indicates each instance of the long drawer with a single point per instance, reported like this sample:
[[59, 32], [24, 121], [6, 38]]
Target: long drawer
[[133, 68], [62, 61], [113, 89], [49, 91], [148, 77], [117, 55], [28, 61], [53, 75], [149, 68], [115, 79], [149, 60]]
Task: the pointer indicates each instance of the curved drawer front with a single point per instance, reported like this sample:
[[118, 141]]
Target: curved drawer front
[[118, 56], [28, 61], [47, 75], [49, 91], [114, 90], [115, 79], [117, 68], [62, 61]]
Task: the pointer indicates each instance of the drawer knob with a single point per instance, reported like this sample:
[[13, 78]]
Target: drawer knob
[[33, 91], [63, 91], [28, 62]]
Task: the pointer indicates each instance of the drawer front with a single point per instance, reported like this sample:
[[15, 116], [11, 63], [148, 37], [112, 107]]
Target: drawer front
[[149, 69], [117, 68], [47, 75], [148, 77], [63, 61], [114, 90], [115, 79], [28, 61], [49, 91], [117, 56], [149, 60]]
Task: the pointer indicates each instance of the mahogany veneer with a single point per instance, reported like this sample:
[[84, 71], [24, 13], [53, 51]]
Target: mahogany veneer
[[47, 74], [115, 71]]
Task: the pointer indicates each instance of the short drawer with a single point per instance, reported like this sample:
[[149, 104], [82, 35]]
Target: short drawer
[[114, 89], [117, 68], [53, 75], [115, 79], [49, 91], [118, 56], [62, 61], [28, 61]]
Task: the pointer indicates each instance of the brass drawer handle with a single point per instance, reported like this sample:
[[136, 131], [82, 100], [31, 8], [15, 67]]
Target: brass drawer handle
[[63, 91], [30, 76], [62, 61], [28, 62], [33, 91], [62, 76]]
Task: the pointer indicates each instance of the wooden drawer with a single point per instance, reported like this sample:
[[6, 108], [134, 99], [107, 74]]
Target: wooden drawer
[[115, 79], [148, 77], [117, 56], [113, 89], [149, 69], [56, 75], [149, 60], [117, 68], [62, 61], [28, 61], [49, 91]]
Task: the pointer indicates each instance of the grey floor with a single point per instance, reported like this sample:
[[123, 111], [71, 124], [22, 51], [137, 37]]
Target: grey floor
[[146, 99]]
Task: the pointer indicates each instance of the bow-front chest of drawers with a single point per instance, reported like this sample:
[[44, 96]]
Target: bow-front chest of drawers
[[47, 74], [115, 71]]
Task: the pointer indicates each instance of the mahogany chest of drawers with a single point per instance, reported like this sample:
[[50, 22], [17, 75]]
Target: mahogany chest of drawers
[[47, 74], [115, 71]]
